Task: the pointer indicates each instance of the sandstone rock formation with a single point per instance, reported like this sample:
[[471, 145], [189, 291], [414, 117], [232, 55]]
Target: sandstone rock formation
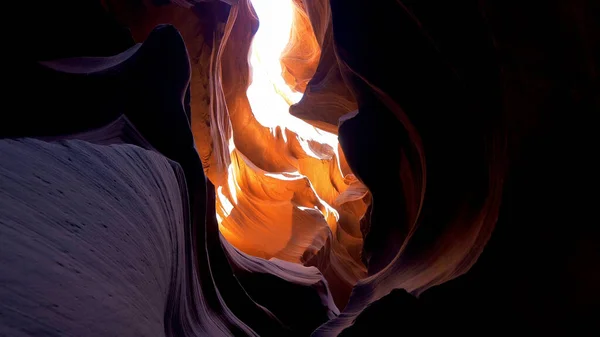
[[152, 189]]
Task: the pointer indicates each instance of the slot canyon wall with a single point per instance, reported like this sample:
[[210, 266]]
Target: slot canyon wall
[[436, 175]]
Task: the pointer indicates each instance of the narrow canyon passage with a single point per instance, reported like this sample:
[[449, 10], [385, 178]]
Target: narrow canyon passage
[[289, 193], [299, 168]]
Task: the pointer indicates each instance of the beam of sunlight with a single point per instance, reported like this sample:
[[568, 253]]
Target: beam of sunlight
[[269, 96]]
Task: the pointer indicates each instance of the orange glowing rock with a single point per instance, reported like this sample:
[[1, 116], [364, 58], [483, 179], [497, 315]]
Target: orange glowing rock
[[284, 189]]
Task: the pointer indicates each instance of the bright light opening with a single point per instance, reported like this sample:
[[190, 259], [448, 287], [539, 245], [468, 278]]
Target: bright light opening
[[269, 95]]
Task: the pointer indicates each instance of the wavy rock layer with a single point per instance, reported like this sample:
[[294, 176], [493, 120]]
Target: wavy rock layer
[[102, 237]]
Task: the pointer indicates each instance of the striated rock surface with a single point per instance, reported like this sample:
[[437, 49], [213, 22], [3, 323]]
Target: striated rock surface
[[90, 245]]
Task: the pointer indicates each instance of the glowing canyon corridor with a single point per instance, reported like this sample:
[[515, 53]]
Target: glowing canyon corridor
[[299, 168], [289, 194]]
